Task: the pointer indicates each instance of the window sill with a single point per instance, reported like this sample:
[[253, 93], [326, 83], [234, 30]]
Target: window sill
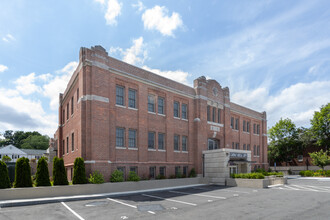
[[121, 106], [132, 148], [256, 156], [152, 113], [256, 134], [135, 109], [160, 150], [177, 118], [216, 124], [184, 119], [245, 132], [177, 151], [235, 130], [161, 115], [121, 148], [151, 149], [185, 152]]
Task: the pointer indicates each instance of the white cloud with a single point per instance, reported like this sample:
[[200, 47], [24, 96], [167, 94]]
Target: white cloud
[[58, 84], [298, 101], [139, 5], [3, 68], [157, 18], [8, 38], [26, 84], [113, 10], [176, 75], [136, 54]]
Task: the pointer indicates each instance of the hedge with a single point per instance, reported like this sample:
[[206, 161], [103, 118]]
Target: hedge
[[248, 176], [23, 173], [132, 176], [59, 173], [79, 173], [42, 175], [117, 176], [4, 177], [96, 178]]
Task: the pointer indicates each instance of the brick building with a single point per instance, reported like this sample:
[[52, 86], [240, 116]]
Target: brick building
[[118, 116]]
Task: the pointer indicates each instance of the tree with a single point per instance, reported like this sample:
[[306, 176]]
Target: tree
[[320, 158], [321, 126], [79, 173], [23, 173], [6, 158], [42, 175], [59, 174], [35, 142], [284, 141], [4, 177]]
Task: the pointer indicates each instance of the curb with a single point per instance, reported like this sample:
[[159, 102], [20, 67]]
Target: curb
[[38, 201]]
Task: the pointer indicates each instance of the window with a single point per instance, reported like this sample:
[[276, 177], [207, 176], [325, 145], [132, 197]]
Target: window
[[132, 138], [212, 144], [254, 150], [213, 114], [258, 129], [176, 142], [185, 171], [184, 143], [219, 115], [77, 94], [151, 103], [184, 111], [161, 141], [300, 158], [161, 103], [132, 98], [120, 94], [120, 135], [258, 150], [72, 142], [122, 169], [162, 171], [232, 122], [176, 109], [244, 125], [133, 169], [63, 117], [237, 146], [72, 105], [233, 145], [247, 126], [152, 172], [244, 146], [151, 140], [254, 128], [63, 147], [248, 147], [67, 145], [208, 113], [177, 171], [236, 124], [67, 111]]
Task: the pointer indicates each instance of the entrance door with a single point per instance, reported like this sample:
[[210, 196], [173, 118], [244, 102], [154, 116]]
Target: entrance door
[[233, 169]]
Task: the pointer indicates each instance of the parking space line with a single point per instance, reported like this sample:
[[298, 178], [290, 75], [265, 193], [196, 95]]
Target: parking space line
[[133, 206], [172, 200], [301, 187], [318, 187], [195, 194], [223, 190], [289, 187], [151, 212], [73, 212]]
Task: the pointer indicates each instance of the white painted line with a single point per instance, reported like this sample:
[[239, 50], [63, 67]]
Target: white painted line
[[73, 212], [324, 188], [222, 190], [195, 194], [271, 186], [133, 206], [301, 187], [225, 190], [172, 200], [151, 212]]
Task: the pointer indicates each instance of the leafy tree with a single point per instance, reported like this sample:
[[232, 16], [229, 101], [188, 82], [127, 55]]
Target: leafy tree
[[18, 138], [321, 126], [284, 141], [6, 158], [59, 173], [23, 173], [4, 177], [79, 173], [35, 142], [320, 158], [42, 175]]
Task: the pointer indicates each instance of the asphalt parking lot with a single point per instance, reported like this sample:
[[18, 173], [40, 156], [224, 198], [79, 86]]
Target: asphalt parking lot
[[300, 199]]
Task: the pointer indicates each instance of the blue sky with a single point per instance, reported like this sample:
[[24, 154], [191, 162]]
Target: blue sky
[[273, 55]]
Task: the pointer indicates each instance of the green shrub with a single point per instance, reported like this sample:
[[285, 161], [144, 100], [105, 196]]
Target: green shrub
[[42, 175], [132, 176], [308, 173], [22, 173], [117, 176], [327, 173], [172, 176], [302, 173], [79, 173], [96, 178], [178, 174], [59, 173], [4, 177], [248, 176], [192, 173], [6, 158], [160, 177]]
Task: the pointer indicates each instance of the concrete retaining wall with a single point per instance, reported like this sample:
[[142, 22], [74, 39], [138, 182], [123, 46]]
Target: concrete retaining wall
[[256, 183], [89, 189]]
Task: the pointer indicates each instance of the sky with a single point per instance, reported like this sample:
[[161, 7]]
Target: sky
[[273, 55]]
